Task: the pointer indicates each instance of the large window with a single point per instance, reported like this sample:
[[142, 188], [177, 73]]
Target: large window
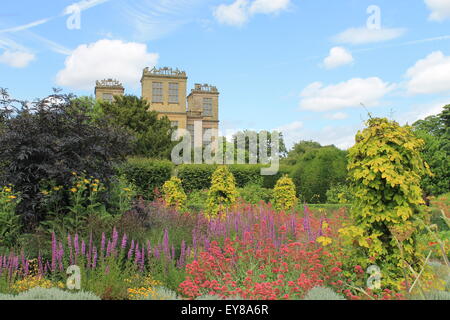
[[157, 93], [173, 92], [207, 107], [108, 97]]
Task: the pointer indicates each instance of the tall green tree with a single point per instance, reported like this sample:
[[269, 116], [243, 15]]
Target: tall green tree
[[317, 170], [264, 139], [153, 135], [435, 131]]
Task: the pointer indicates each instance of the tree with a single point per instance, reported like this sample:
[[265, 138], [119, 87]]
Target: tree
[[385, 169], [153, 135], [49, 139], [262, 138], [299, 149], [223, 193], [435, 131], [317, 170]]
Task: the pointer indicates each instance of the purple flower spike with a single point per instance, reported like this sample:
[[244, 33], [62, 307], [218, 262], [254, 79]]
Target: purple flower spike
[[130, 252], [115, 238], [124, 241]]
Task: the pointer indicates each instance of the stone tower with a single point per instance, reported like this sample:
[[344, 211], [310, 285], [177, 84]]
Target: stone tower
[[106, 89]]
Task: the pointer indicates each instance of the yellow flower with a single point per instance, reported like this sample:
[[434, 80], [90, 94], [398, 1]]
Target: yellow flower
[[8, 189], [86, 181], [57, 188], [12, 197], [73, 190], [324, 241], [74, 173]]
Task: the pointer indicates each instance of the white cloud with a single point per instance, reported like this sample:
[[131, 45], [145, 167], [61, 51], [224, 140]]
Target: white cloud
[[351, 93], [430, 75], [337, 116], [338, 57], [269, 6], [422, 111], [82, 5], [26, 26], [364, 35], [105, 59], [440, 9], [240, 11], [235, 14], [16, 59]]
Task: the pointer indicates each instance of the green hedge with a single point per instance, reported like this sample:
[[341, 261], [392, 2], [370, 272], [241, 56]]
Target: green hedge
[[269, 182], [198, 176], [147, 174]]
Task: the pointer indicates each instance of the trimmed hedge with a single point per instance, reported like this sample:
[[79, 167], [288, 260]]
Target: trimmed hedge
[[147, 174], [198, 176]]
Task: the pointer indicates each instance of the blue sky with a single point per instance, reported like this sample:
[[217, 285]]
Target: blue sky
[[300, 66]]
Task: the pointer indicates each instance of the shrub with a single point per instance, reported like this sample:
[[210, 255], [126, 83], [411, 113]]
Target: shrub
[[196, 200], [321, 293], [254, 194], [10, 224], [147, 174], [269, 182], [222, 193], [317, 170], [245, 174], [50, 294], [385, 168], [284, 195], [198, 176], [339, 194], [46, 141], [174, 195]]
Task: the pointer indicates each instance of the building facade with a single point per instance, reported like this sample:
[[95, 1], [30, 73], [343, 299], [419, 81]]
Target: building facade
[[166, 91]]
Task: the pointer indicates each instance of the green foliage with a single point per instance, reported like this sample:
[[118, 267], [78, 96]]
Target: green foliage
[[435, 131], [50, 294], [10, 225], [284, 195], [45, 141], [197, 200], [198, 176], [317, 170], [269, 182], [222, 193], [173, 194], [147, 174], [254, 194], [248, 136], [195, 176], [300, 149], [85, 200], [321, 293], [385, 168], [339, 194], [153, 135]]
